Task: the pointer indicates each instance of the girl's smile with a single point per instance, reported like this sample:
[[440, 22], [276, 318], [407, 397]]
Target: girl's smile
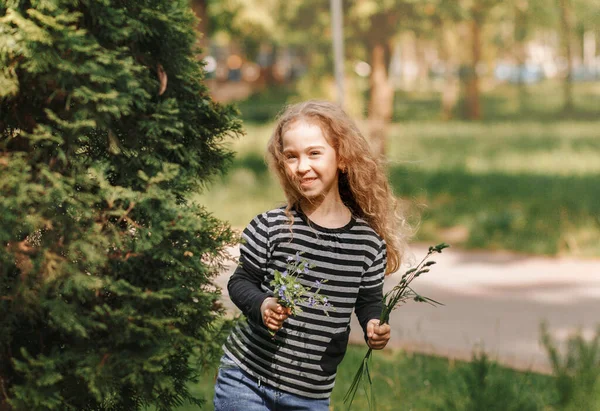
[[311, 161], [305, 182]]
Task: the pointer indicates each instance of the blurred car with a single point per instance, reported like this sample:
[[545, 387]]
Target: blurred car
[[586, 73], [525, 73]]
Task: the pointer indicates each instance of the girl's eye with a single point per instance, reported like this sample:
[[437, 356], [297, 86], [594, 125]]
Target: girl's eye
[[315, 153]]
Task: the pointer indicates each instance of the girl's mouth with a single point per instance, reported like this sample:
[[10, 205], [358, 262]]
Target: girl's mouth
[[305, 182]]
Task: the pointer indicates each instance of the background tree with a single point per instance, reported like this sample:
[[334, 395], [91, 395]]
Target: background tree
[[370, 29], [251, 24], [587, 29], [477, 12], [369, 26], [527, 17], [566, 18], [520, 14], [443, 18], [200, 8], [105, 266], [579, 21], [461, 23]]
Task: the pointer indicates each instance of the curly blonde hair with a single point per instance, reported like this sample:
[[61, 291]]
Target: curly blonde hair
[[363, 185]]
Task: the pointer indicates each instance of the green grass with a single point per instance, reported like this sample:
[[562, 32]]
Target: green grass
[[264, 106], [418, 382], [524, 187], [542, 102], [524, 180]]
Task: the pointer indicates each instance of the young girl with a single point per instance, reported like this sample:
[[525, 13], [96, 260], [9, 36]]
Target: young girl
[[342, 217]]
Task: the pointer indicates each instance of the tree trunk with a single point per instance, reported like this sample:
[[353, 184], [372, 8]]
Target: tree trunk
[[566, 28], [3, 397], [422, 63], [199, 7], [520, 34], [381, 100], [381, 97], [451, 88], [472, 95], [589, 49], [267, 56]]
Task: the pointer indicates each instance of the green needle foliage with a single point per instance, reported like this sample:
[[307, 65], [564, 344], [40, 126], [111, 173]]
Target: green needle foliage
[[106, 268]]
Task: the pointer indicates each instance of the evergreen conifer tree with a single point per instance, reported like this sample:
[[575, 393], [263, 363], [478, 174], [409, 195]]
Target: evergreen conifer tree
[[106, 265]]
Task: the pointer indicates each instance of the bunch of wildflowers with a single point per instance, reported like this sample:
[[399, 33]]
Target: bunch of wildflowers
[[291, 293], [393, 299]]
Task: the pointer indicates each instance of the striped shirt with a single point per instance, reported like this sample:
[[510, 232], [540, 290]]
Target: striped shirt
[[304, 355]]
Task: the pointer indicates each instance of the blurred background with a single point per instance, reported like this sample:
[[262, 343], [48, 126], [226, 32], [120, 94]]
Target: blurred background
[[487, 112], [488, 116]]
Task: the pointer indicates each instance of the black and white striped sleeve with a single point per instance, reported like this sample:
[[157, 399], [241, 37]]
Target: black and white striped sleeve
[[370, 293], [244, 285]]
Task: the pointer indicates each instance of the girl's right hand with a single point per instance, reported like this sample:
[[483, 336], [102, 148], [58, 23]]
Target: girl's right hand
[[273, 313]]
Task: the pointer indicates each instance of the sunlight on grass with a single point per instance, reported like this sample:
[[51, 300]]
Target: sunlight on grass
[[555, 149], [524, 182], [408, 381]]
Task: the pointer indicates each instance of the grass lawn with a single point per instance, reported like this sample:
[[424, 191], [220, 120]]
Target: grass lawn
[[525, 181], [403, 381]]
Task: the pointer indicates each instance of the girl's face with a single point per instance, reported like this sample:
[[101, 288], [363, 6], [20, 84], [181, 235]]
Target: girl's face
[[310, 160]]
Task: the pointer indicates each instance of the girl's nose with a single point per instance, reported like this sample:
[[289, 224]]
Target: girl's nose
[[303, 165]]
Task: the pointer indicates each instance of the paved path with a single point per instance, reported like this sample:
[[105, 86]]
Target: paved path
[[495, 301]]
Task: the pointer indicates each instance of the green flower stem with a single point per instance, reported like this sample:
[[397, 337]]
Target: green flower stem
[[391, 300]]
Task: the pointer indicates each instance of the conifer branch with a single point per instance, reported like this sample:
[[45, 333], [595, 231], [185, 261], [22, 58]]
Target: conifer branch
[[3, 389]]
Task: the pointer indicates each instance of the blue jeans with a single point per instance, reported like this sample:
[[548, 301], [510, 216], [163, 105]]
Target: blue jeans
[[236, 390]]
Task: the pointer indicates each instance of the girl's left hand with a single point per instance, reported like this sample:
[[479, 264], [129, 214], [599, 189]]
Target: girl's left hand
[[378, 335]]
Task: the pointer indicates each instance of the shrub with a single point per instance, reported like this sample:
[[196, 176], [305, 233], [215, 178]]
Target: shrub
[[576, 371], [105, 266], [483, 386]]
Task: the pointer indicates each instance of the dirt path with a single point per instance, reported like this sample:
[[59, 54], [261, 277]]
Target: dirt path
[[495, 301]]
